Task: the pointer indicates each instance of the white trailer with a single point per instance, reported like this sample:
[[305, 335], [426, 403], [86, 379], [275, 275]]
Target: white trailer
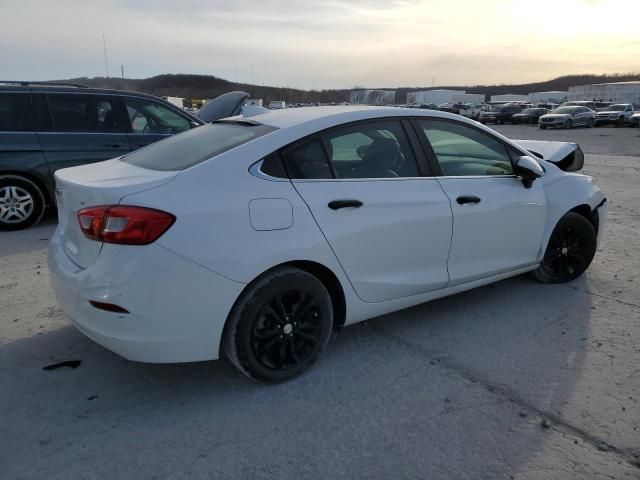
[[437, 96], [177, 101]]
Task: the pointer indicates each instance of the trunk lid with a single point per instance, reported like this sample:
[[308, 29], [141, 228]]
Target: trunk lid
[[103, 183]]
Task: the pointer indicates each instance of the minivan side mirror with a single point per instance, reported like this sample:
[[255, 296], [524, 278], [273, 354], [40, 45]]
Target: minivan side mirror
[[529, 169]]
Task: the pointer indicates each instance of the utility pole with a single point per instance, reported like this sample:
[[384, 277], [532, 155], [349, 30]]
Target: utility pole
[[122, 71], [106, 60], [252, 74]]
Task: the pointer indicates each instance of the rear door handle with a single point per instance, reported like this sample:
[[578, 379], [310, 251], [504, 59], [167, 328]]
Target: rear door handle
[[113, 145], [338, 204], [468, 200]]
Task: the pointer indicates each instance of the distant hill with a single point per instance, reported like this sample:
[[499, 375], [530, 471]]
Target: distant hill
[[208, 86]]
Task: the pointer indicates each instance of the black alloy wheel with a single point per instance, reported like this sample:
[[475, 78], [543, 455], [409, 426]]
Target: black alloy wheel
[[279, 326], [570, 250]]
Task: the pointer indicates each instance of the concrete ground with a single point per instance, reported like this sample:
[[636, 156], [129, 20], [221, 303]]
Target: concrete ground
[[513, 380]]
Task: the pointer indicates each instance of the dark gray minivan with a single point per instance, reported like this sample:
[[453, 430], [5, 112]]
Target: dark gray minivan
[[45, 126]]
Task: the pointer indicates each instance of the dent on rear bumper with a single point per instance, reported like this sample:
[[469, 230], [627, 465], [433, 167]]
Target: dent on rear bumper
[[177, 308]]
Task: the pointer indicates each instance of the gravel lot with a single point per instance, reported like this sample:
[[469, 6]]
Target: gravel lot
[[513, 380]]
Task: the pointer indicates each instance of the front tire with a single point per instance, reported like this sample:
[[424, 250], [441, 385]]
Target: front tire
[[21, 203], [570, 250], [591, 123], [568, 124], [279, 325]]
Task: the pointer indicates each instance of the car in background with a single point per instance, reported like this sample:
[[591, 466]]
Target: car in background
[[255, 237], [581, 103], [634, 120], [568, 117], [617, 114], [45, 126], [499, 114], [529, 115]]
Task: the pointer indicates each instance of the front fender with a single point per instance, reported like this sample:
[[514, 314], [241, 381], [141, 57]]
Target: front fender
[[565, 192]]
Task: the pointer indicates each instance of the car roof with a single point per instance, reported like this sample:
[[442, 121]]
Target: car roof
[[337, 115]]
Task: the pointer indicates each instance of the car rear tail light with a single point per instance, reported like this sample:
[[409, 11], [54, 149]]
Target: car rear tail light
[[124, 224]]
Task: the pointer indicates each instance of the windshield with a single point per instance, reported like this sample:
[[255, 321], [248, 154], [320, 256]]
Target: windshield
[[616, 108], [564, 110], [195, 146], [531, 110]]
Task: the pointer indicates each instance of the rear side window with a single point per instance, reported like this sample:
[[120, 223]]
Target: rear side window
[[378, 149], [15, 112], [195, 146], [87, 113]]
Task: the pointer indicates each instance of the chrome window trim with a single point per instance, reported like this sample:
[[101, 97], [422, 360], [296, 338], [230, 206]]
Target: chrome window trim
[[256, 171]]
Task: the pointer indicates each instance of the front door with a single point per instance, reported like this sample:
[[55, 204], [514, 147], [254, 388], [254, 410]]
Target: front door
[[389, 228], [498, 224], [76, 129]]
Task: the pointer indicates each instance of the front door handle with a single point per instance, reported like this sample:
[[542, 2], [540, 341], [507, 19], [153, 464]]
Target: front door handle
[[113, 145], [338, 204], [468, 200]]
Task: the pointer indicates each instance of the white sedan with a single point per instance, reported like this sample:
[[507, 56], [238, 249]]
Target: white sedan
[[257, 236]]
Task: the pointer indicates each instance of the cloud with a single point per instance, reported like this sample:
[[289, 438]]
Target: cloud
[[312, 44]]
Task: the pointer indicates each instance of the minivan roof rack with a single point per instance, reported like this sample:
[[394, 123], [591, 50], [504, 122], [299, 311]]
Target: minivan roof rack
[[23, 83]]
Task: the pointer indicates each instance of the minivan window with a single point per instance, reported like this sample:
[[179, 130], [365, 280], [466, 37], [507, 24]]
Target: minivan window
[[86, 113], [195, 146], [15, 112], [150, 117]]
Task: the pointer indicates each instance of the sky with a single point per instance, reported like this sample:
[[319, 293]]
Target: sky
[[317, 44]]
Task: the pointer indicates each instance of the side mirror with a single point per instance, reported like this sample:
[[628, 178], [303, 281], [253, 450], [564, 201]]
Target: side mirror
[[529, 169]]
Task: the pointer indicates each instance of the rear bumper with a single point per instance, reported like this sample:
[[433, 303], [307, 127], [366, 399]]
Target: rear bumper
[[177, 308]]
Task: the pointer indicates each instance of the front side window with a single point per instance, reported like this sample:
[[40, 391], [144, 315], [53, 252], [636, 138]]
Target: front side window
[[86, 113], [377, 149], [15, 112], [150, 117], [465, 151]]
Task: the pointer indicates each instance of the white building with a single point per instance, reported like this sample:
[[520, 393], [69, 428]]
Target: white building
[[509, 97], [556, 96], [475, 98], [438, 96], [620, 92], [254, 101], [373, 97]]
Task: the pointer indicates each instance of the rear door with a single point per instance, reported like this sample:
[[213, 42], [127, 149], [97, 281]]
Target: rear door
[[79, 128], [150, 121], [498, 224], [389, 227]]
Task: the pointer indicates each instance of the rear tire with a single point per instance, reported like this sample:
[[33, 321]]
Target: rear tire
[[570, 250], [279, 325], [22, 203]]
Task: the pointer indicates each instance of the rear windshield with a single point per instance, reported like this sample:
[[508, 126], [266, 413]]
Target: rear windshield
[[195, 146]]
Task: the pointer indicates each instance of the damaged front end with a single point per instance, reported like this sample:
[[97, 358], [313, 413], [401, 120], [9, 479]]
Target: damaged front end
[[565, 155]]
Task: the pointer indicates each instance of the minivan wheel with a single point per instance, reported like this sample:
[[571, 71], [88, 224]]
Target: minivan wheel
[[570, 250], [279, 325], [21, 203]]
